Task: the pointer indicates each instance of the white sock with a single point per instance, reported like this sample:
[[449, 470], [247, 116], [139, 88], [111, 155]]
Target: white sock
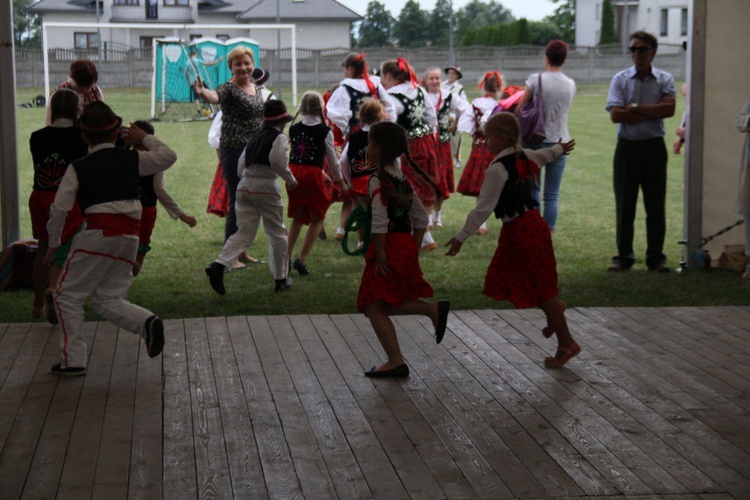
[[483, 226], [436, 216], [340, 230], [427, 239]]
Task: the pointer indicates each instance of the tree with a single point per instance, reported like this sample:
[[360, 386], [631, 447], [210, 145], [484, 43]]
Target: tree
[[440, 23], [411, 28], [478, 14], [565, 18], [376, 29], [607, 34], [26, 25]]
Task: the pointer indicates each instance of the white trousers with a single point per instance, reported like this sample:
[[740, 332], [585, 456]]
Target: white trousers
[[100, 267], [251, 208]]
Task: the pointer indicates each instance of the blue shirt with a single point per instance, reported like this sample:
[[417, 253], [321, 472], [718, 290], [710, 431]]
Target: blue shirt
[[627, 87]]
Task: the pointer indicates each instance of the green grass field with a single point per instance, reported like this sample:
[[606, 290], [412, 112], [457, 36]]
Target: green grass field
[[173, 283]]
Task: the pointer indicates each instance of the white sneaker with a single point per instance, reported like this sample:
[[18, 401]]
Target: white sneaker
[[457, 164]]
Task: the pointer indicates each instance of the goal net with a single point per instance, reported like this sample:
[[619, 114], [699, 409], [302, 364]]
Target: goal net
[[177, 64]]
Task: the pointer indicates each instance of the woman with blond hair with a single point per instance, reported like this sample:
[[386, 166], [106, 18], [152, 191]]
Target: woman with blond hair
[[242, 108]]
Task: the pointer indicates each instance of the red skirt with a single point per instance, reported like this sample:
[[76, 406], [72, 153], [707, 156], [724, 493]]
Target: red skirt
[[148, 221], [445, 162], [405, 280], [523, 269], [218, 198], [39, 205], [360, 186], [473, 174], [310, 197], [423, 151]]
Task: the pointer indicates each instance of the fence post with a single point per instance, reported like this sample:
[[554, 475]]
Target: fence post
[[316, 71]]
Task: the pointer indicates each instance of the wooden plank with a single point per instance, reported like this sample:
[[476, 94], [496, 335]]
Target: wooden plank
[[594, 470], [77, 476], [309, 465], [210, 451], [278, 467], [433, 456], [10, 345], [113, 463], [242, 453], [179, 469], [343, 381], [19, 444], [146, 453]]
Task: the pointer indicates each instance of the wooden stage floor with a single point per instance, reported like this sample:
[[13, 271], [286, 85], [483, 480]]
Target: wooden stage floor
[[657, 404]]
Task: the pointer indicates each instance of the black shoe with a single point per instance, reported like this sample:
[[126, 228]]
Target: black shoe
[[399, 371], [300, 267], [659, 268], [70, 371], [154, 336], [618, 268], [443, 308], [283, 284], [215, 273], [322, 234]]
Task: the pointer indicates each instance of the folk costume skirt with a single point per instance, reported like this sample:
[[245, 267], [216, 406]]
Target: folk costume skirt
[[405, 280], [40, 202], [310, 197], [523, 269], [423, 151], [473, 174]]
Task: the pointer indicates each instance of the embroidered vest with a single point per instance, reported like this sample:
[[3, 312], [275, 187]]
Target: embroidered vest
[[308, 144], [398, 209], [355, 102], [515, 198], [444, 119], [357, 154], [413, 118]]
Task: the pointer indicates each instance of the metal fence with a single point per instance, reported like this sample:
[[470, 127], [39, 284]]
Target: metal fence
[[319, 68]]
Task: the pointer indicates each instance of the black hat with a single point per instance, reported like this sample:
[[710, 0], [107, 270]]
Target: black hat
[[97, 117], [275, 111], [456, 69], [260, 76]]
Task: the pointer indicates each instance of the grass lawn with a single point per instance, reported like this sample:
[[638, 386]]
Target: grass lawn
[[173, 283]]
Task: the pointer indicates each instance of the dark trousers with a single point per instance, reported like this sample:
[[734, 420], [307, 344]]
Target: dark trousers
[[229, 158], [640, 164]]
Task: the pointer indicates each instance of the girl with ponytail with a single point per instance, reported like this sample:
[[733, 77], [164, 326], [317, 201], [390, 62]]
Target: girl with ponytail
[[473, 123], [420, 120], [392, 282]]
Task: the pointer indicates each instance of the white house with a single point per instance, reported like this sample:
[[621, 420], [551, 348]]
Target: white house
[[668, 20], [319, 23]]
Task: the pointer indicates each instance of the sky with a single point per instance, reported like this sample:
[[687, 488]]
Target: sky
[[533, 10]]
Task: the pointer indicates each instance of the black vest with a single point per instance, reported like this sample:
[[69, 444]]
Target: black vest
[[515, 197], [107, 175], [398, 209], [308, 144], [355, 102], [356, 152], [258, 150], [413, 118], [147, 193]]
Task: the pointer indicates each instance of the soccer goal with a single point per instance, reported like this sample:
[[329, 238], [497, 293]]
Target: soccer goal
[[178, 74]]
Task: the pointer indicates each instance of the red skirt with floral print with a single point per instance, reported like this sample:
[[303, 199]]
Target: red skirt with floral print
[[523, 269], [405, 280]]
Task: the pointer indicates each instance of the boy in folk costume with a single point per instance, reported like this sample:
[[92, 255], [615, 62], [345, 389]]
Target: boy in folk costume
[[101, 257]]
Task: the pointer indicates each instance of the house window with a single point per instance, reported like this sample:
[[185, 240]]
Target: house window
[[684, 23], [85, 40], [195, 37], [126, 2], [664, 22], [146, 42], [223, 38], [177, 2]]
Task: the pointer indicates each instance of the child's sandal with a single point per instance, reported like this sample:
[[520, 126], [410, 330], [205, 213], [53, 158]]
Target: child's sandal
[[562, 356]]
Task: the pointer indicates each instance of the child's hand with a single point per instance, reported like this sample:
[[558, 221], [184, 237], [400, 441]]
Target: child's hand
[[133, 134], [381, 264], [455, 247], [291, 187], [189, 220], [567, 146]]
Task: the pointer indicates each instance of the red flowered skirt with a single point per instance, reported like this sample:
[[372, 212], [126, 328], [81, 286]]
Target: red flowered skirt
[[523, 269], [423, 151], [405, 280], [473, 174], [148, 221], [39, 205], [218, 198], [310, 197], [445, 162]]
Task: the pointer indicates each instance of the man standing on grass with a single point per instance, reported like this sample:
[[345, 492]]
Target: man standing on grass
[[639, 99]]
